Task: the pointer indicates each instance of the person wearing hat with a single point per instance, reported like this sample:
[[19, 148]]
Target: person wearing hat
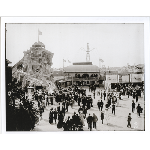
[[138, 110], [129, 120]]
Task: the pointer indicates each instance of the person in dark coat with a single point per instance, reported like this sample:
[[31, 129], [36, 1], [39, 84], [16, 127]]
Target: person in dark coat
[[95, 119], [91, 102], [109, 101], [138, 109], [102, 116], [98, 104], [58, 108], [113, 108], [128, 93], [89, 121], [88, 104], [69, 124], [133, 106], [51, 116], [79, 100], [104, 94], [74, 121], [136, 96], [55, 115], [101, 105], [77, 121], [129, 120], [65, 126], [60, 120]]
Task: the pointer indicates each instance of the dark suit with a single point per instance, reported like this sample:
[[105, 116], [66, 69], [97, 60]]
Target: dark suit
[[89, 121]]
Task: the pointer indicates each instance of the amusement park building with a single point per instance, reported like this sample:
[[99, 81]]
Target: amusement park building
[[82, 73], [35, 66]]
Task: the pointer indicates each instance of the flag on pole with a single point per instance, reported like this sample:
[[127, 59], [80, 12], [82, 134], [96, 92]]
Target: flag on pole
[[69, 61], [101, 60], [39, 32]]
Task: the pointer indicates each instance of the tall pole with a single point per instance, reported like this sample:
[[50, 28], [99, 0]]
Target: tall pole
[[63, 69], [38, 35]]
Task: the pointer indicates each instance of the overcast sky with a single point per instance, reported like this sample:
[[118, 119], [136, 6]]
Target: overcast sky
[[116, 44]]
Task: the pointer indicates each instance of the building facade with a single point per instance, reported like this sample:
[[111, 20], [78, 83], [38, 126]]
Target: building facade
[[82, 73]]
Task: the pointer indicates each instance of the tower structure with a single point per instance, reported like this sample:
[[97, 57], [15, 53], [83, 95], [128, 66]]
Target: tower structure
[[37, 61], [88, 53]]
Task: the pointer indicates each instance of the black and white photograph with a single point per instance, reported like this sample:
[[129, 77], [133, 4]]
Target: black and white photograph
[[75, 76]]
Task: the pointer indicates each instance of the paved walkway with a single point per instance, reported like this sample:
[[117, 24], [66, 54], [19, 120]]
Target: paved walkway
[[117, 122]]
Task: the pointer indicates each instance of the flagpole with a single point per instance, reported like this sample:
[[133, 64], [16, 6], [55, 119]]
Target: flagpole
[[63, 69], [38, 35]]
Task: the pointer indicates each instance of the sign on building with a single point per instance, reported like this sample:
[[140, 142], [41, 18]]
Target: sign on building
[[137, 77], [111, 78]]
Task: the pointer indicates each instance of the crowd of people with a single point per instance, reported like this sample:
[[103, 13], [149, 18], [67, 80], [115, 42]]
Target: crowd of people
[[75, 94], [65, 99], [68, 98]]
